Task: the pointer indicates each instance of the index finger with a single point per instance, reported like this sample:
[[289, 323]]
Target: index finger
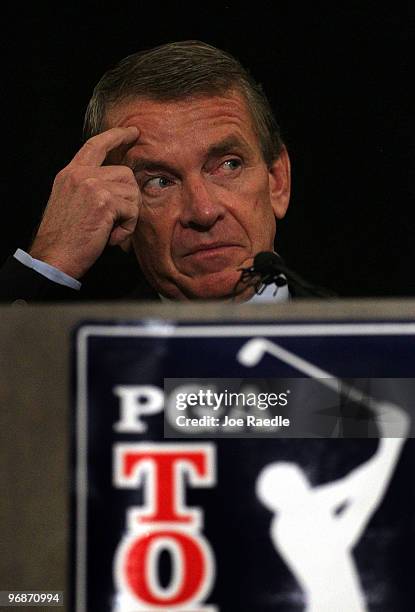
[[96, 149]]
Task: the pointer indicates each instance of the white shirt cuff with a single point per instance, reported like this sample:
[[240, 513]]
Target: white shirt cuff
[[50, 272]]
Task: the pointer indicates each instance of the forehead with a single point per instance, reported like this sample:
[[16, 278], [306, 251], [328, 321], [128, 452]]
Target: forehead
[[187, 123]]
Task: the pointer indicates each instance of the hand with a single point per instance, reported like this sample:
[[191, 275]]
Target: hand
[[90, 206]]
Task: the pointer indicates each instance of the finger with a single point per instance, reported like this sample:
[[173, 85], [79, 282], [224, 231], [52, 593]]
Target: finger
[[131, 193], [122, 237], [119, 174], [126, 245], [96, 149], [123, 230], [125, 216]]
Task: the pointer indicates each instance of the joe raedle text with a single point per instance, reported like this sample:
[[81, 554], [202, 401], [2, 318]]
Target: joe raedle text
[[212, 422], [228, 407]]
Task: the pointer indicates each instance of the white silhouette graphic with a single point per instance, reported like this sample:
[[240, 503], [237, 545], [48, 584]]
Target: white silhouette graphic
[[314, 529]]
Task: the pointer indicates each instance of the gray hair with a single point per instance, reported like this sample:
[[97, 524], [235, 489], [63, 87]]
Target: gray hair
[[178, 70]]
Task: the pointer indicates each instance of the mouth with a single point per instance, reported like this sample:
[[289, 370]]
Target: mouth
[[211, 249]]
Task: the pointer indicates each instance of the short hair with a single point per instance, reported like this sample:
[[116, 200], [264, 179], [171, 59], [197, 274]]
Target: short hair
[[179, 70]]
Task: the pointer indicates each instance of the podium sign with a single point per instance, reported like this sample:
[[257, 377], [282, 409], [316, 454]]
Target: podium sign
[[264, 523]]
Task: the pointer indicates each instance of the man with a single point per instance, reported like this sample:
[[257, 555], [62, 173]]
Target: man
[[183, 164]]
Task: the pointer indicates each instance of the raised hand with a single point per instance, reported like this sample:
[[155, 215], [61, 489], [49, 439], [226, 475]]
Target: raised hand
[[91, 205]]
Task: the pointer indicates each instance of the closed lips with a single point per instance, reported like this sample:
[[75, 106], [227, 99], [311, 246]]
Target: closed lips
[[210, 246]]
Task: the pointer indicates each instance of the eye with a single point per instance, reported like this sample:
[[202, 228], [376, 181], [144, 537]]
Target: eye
[[231, 165], [157, 184]]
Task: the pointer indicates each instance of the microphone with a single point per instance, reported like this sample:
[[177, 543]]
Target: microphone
[[269, 268]]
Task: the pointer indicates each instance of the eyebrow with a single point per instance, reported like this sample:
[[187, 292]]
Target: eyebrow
[[218, 149], [227, 145], [152, 165]]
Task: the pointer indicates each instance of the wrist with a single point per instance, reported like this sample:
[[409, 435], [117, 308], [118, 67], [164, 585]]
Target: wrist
[[58, 261], [52, 273]]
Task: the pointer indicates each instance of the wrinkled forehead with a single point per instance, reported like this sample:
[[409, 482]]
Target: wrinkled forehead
[[195, 119]]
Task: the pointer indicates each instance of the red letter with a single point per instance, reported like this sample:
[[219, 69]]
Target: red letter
[[164, 467]]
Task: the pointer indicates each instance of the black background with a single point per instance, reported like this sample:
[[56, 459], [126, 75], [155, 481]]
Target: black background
[[339, 78]]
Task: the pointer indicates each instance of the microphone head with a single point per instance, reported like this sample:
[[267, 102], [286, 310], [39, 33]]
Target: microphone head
[[266, 262]]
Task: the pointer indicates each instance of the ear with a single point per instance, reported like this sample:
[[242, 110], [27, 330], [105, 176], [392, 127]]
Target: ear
[[279, 175]]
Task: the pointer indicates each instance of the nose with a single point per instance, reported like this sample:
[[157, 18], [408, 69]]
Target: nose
[[201, 207]]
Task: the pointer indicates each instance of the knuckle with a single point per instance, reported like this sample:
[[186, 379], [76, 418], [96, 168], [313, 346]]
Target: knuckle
[[103, 197], [91, 143], [90, 183], [123, 174], [131, 219], [134, 189], [70, 175], [134, 195], [88, 187], [93, 191], [128, 174], [61, 176]]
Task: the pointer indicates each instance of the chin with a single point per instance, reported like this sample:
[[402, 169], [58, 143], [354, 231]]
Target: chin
[[217, 286]]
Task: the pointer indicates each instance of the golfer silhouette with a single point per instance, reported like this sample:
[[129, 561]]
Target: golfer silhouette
[[315, 528]]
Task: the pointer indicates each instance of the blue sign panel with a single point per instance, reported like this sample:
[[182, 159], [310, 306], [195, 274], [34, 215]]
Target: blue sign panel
[[238, 524]]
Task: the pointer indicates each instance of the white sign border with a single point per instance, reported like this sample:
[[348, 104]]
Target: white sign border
[[161, 329]]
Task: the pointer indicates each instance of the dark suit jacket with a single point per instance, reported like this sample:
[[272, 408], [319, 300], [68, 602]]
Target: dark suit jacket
[[115, 276]]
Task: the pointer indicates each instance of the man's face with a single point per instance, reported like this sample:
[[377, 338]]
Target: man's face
[[209, 202]]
